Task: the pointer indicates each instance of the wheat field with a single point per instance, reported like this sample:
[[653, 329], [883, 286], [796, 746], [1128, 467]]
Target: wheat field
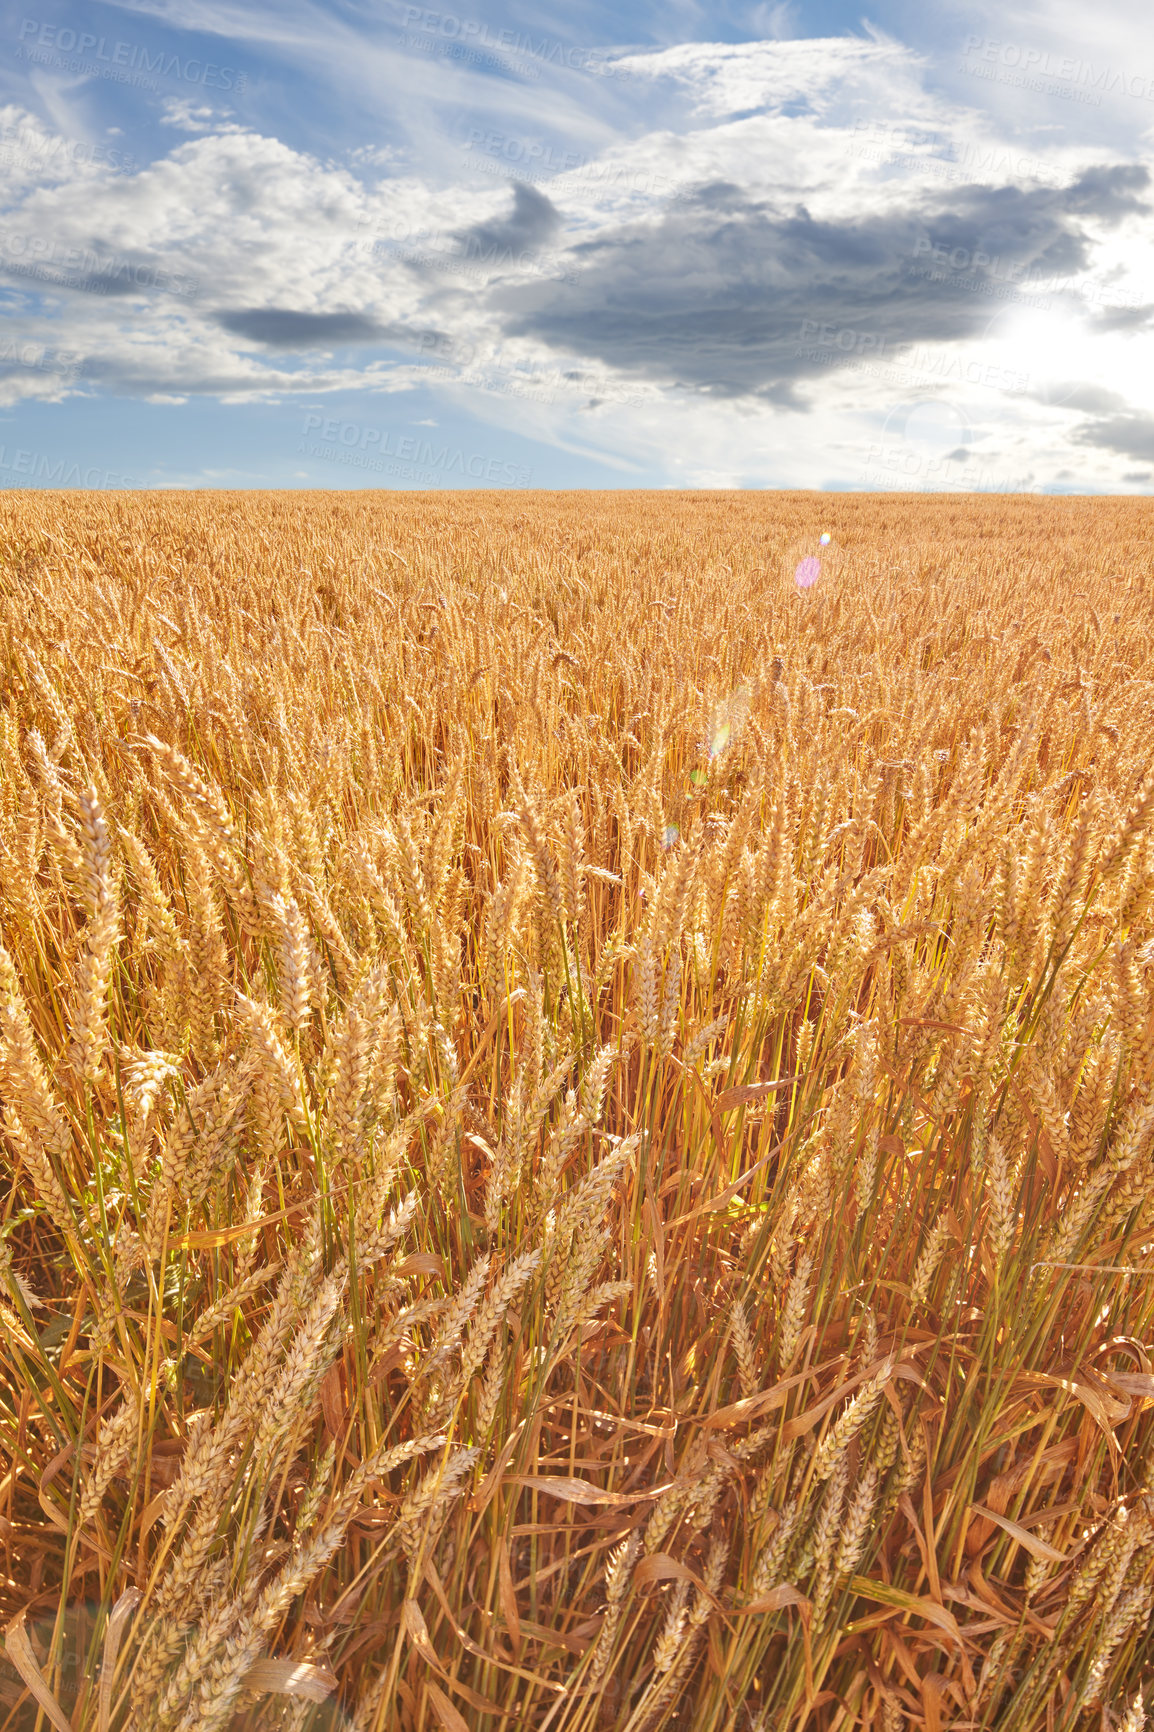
[[577, 1118]]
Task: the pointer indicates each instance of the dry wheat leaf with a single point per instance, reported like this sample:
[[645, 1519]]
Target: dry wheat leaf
[[785, 1594], [421, 1263], [508, 1597], [743, 1092], [963, 1597], [1135, 1383], [415, 1627], [804, 1422], [713, 1205], [766, 1399], [474, 1648], [900, 1601], [580, 1491], [660, 1567], [1037, 1548], [117, 1618], [574, 1641], [450, 1719], [19, 1650], [290, 1678], [1106, 1417], [932, 1702]]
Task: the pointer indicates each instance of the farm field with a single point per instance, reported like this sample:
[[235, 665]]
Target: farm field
[[576, 1112]]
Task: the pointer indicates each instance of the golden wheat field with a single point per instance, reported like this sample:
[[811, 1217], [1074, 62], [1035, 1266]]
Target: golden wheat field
[[577, 1119]]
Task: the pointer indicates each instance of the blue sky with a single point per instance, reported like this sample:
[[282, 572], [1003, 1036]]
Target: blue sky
[[300, 244]]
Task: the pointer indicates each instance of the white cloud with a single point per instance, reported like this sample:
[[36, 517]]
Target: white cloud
[[186, 115], [736, 78]]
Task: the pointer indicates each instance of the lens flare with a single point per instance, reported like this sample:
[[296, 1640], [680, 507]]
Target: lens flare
[[670, 836], [729, 718], [813, 556]]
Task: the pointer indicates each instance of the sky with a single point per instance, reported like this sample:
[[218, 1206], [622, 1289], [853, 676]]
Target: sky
[[782, 244]]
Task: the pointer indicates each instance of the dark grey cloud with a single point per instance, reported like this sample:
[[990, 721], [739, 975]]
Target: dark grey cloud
[[533, 222], [731, 297], [284, 328], [1109, 193], [1094, 399], [114, 278], [112, 283], [1130, 435], [1126, 319]]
